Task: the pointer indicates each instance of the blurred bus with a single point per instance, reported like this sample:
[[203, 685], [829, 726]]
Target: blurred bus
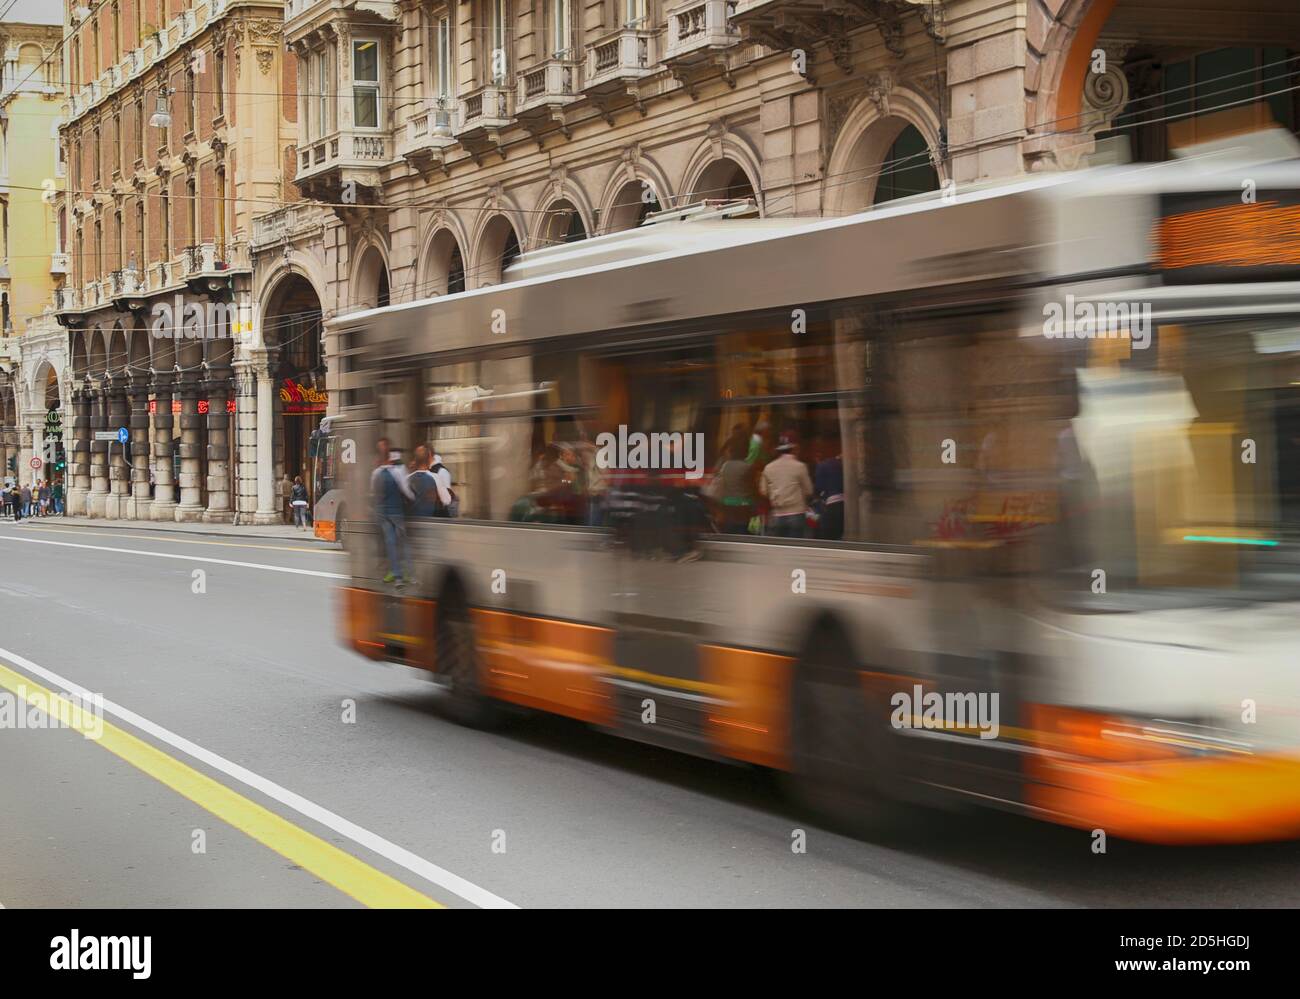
[[328, 507], [1067, 581]]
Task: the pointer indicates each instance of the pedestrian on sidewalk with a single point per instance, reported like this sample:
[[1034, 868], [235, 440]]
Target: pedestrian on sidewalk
[[57, 495], [27, 500], [298, 499], [16, 500], [6, 501], [43, 497]]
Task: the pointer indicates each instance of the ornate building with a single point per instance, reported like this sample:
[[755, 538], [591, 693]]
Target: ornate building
[[31, 239], [171, 137]]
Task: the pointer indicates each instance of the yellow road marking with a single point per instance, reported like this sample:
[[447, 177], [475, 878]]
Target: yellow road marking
[[345, 872], [177, 541]]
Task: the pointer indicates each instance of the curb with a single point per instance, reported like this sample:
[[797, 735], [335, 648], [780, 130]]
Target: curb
[[144, 525]]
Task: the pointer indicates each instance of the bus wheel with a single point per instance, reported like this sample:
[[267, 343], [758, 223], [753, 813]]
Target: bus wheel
[[834, 744], [465, 701]]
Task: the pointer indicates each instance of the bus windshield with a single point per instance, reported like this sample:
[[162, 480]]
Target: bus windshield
[[1186, 483]]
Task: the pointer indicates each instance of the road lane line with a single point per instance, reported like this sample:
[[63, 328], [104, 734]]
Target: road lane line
[[183, 558], [364, 837], [178, 541], [349, 874]]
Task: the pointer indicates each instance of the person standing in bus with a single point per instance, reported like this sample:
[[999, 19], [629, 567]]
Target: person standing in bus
[[828, 483], [390, 491], [787, 486], [733, 487]]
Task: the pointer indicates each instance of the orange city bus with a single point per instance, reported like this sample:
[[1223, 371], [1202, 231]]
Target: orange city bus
[[1056, 586]]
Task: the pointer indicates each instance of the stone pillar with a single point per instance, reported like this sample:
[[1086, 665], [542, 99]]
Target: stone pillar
[[29, 440], [268, 511], [78, 483], [138, 504], [217, 387], [98, 452], [244, 448], [191, 507], [115, 501], [164, 486]]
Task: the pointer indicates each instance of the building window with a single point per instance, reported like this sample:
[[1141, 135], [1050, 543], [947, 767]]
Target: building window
[[320, 99], [365, 83], [561, 28], [165, 218], [140, 258], [219, 58], [94, 55], [99, 248], [634, 13], [121, 240], [442, 64], [144, 125], [117, 33], [221, 210], [498, 57], [192, 199], [191, 102], [96, 152]]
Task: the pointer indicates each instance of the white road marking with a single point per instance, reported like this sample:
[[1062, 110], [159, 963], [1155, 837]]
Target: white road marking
[[417, 865], [183, 558]]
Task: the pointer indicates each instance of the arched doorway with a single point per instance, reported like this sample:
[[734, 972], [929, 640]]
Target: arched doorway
[[722, 180], [444, 268], [906, 168], [498, 249], [371, 289], [634, 201], [562, 223], [292, 326]]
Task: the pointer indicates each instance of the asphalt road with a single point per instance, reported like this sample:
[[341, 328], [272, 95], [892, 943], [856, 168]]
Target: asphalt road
[[230, 774]]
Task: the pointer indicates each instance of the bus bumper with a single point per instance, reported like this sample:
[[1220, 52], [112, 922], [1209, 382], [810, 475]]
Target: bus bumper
[[1200, 800]]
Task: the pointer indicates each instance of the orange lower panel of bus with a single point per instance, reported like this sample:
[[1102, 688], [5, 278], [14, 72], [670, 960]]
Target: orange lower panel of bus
[[325, 530], [1235, 799]]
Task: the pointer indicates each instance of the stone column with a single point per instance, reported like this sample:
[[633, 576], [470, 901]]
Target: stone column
[[78, 482], [29, 439], [244, 447], [164, 486], [217, 386], [137, 506], [190, 508], [115, 501], [268, 511], [98, 452]]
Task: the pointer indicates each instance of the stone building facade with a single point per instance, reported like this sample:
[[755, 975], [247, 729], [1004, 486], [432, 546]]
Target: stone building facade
[[171, 138]]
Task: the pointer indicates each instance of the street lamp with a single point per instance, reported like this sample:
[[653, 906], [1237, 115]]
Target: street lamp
[[162, 117]]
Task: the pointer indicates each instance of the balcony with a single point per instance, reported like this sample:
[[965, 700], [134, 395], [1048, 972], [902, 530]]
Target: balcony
[[59, 263], [547, 88], [347, 156], [66, 300], [795, 24], [286, 223], [429, 134], [208, 268], [124, 290], [484, 115], [698, 30], [618, 60]]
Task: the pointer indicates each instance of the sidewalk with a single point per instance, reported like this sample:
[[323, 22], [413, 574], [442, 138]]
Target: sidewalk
[[284, 532]]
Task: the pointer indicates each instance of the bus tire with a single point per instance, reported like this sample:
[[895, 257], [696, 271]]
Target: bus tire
[[836, 746], [464, 701]]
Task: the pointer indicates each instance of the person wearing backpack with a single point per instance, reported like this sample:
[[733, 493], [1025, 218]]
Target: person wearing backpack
[[443, 474], [391, 492], [432, 498]]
